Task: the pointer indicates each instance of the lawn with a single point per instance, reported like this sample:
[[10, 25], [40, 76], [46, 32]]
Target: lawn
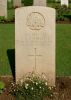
[[6, 42], [63, 48]]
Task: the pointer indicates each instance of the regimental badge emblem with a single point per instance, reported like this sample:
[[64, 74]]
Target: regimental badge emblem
[[35, 21]]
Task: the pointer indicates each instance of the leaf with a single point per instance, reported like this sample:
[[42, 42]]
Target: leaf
[[2, 85]]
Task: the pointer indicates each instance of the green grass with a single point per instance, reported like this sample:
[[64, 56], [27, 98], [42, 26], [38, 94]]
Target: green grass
[[63, 48], [6, 42]]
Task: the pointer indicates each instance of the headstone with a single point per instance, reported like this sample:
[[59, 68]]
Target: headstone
[[35, 41], [3, 8], [17, 3], [39, 2], [64, 2]]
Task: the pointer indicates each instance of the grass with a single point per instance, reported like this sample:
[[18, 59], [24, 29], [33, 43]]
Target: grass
[[63, 48], [6, 42]]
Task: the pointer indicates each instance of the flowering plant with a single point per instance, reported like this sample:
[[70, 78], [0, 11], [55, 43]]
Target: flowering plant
[[32, 87]]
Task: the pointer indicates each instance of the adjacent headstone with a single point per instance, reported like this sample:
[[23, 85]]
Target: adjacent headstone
[[3, 8], [35, 41], [17, 3], [39, 2], [64, 2]]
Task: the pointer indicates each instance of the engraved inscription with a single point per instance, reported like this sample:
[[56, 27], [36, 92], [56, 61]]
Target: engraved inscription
[[35, 55], [35, 21]]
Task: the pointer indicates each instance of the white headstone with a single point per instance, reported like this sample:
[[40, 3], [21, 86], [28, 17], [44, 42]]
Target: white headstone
[[3, 8], [64, 2], [17, 3], [39, 2], [35, 41]]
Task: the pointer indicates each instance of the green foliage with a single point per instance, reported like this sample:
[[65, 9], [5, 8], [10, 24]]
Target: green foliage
[[2, 19], [68, 16], [33, 87], [2, 86], [9, 20], [69, 1], [61, 11], [27, 2], [51, 1], [10, 4], [11, 14]]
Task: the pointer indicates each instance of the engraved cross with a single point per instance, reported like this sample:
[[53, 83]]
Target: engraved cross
[[35, 56]]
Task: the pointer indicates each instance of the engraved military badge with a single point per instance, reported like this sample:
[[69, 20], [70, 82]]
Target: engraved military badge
[[35, 21]]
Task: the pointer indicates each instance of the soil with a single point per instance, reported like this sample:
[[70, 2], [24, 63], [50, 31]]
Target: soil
[[62, 90], [64, 22], [6, 95]]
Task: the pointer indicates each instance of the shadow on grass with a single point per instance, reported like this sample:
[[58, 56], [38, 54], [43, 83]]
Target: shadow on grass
[[11, 57]]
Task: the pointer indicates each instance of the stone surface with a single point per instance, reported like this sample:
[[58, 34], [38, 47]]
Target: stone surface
[[17, 3], [35, 42], [39, 2], [3, 8], [64, 2]]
